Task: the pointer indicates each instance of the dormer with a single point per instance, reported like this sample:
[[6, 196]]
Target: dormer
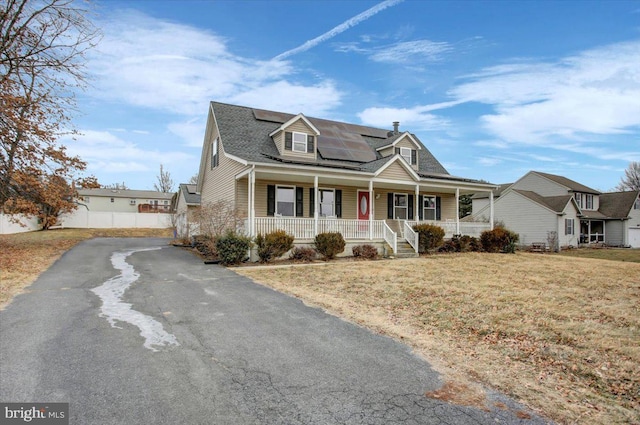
[[587, 201], [403, 144], [296, 138]]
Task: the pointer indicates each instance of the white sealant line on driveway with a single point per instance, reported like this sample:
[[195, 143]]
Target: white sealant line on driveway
[[113, 309]]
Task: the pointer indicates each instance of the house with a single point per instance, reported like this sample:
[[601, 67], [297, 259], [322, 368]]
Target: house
[[541, 205], [480, 201], [124, 200], [187, 202], [308, 175]]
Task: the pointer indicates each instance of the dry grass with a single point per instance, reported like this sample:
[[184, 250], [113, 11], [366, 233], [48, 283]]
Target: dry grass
[[614, 254], [25, 255], [561, 334]]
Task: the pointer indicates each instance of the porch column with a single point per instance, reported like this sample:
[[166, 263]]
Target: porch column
[[315, 206], [370, 210], [252, 203], [491, 209], [457, 210], [416, 213]]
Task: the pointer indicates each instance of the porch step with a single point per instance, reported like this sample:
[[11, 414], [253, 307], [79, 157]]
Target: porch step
[[405, 250]]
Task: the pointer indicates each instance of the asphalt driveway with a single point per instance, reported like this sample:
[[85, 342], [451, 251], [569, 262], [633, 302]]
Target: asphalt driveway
[[133, 331]]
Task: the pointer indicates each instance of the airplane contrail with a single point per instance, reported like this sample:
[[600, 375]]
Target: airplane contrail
[[339, 29]]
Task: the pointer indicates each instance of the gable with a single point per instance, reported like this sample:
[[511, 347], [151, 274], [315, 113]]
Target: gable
[[539, 184], [395, 170]]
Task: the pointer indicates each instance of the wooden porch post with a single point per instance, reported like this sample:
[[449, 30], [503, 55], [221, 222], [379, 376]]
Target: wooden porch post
[[370, 210], [491, 209], [315, 206], [457, 210]]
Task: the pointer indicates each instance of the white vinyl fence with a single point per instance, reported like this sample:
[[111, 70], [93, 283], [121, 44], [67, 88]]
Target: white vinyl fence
[[107, 220], [7, 226]]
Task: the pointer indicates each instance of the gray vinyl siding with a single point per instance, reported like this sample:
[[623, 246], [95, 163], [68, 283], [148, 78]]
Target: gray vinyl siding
[[528, 219], [540, 185], [614, 232], [478, 205]]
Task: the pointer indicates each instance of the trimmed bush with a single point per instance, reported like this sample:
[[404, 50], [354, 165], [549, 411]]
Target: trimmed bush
[[366, 252], [499, 240], [232, 248], [429, 237], [329, 244], [301, 253], [273, 245]]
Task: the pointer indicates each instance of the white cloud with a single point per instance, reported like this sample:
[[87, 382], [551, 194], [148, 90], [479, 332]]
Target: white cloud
[[495, 144], [411, 52], [417, 118], [191, 132], [176, 68], [594, 93]]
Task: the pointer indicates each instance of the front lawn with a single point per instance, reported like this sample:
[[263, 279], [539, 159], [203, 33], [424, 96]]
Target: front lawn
[[561, 334], [614, 254]]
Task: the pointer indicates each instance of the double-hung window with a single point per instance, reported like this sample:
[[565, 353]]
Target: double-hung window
[[406, 154], [214, 154], [589, 202], [578, 197], [429, 207], [299, 142], [569, 226], [636, 205], [286, 201], [326, 203]]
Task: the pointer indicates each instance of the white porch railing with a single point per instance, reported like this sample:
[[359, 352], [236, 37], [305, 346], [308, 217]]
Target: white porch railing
[[304, 228], [411, 236], [450, 229], [390, 237]]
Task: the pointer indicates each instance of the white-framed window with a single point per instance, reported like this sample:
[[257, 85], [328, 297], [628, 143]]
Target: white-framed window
[[636, 205], [286, 201], [112, 200], [406, 154], [578, 197], [589, 202], [215, 158], [428, 207], [299, 142], [400, 205], [326, 202], [132, 201], [569, 226], [166, 202]]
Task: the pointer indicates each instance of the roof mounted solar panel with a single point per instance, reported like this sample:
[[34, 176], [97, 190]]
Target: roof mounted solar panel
[[345, 150]]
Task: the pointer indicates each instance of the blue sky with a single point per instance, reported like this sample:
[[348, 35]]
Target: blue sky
[[492, 88]]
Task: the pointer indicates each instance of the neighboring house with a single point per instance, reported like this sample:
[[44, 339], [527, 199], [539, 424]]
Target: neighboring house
[[480, 201], [307, 175], [187, 201], [121, 200], [540, 203]]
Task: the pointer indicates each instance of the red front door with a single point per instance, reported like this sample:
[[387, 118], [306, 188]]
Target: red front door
[[363, 205]]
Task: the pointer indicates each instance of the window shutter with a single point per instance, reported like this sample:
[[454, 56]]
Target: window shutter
[[420, 207], [312, 201], [271, 200], [338, 203], [390, 206], [414, 157], [288, 140], [438, 208], [310, 144], [398, 151], [299, 199], [410, 207]]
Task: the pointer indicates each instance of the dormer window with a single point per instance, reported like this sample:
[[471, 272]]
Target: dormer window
[[298, 142], [409, 155], [578, 197], [589, 199]]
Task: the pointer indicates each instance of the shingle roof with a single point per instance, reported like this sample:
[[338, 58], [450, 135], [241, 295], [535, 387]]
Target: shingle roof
[[247, 137], [496, 193], [556, 204], [572, 185], [125, 193], [617, 204], [189, 193]]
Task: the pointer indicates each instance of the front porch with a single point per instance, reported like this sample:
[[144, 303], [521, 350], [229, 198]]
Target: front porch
[[592, 232], [390, 231]]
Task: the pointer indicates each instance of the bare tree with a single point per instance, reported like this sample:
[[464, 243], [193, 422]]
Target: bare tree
[[165, 183], [42, 48], [215, 218], [631, 179], [116, 186], [194, 179]]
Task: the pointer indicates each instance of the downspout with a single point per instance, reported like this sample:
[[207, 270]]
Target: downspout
[[457, 210]]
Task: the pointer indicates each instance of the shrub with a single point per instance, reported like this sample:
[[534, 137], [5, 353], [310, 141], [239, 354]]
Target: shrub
[[232, 248], [452, 245], [499, 240], [301, 253], [273, 245], [430, 237], [329, 244], [366, 252], [206, 245]]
